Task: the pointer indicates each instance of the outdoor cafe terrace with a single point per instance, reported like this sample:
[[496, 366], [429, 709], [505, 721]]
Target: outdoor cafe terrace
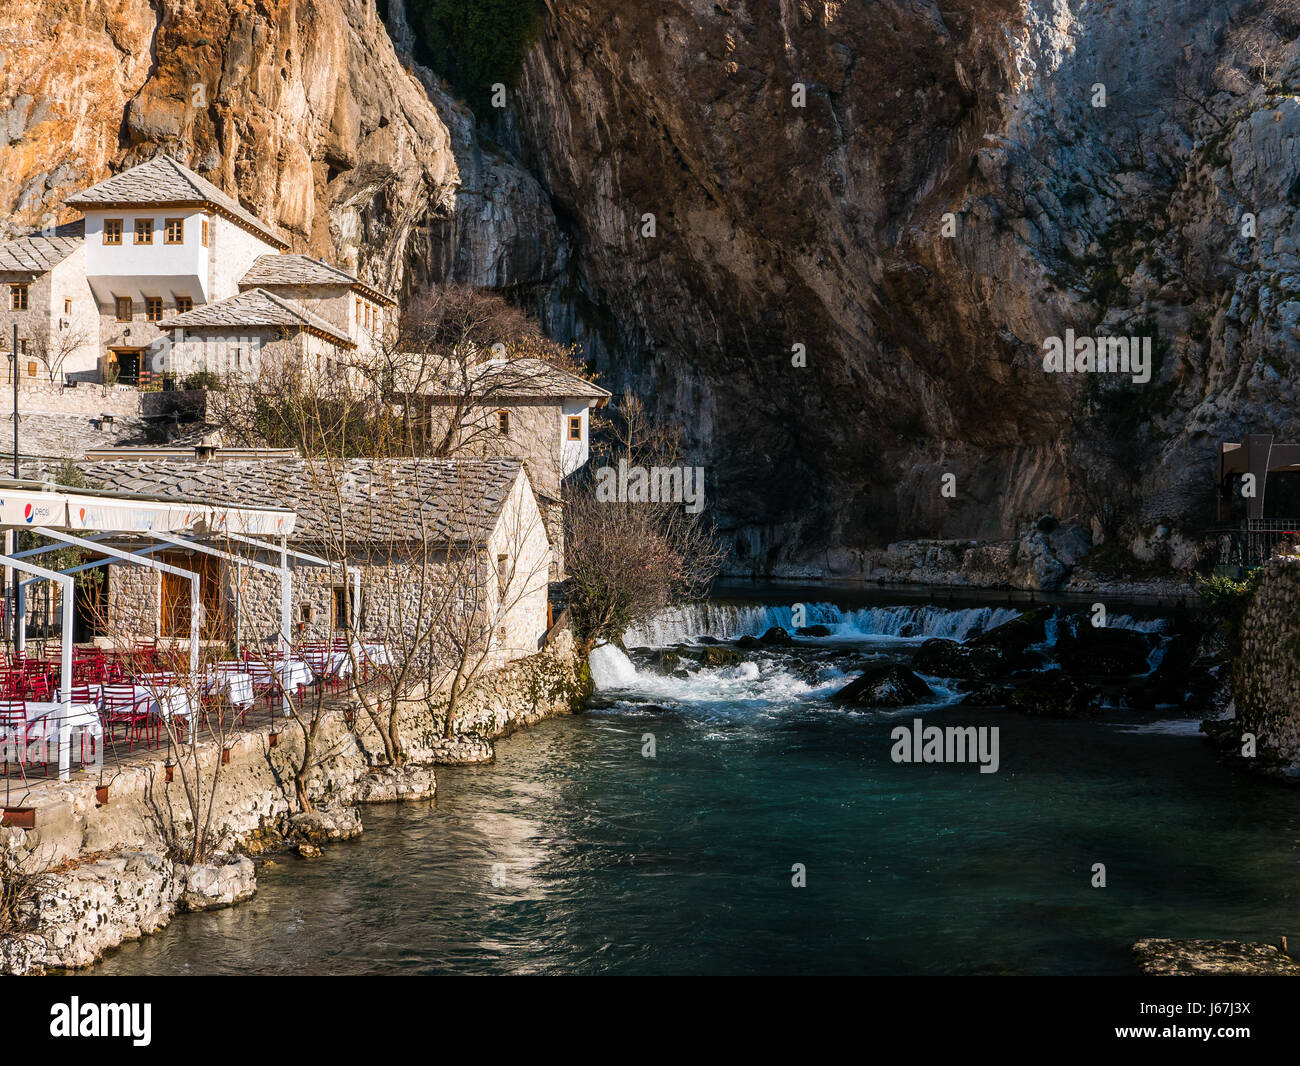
[[87, 709]]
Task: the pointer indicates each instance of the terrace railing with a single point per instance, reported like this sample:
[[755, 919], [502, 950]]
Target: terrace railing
[[1254, 541]]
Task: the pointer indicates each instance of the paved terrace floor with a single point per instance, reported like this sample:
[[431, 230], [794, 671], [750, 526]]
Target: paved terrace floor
[[37, 786]]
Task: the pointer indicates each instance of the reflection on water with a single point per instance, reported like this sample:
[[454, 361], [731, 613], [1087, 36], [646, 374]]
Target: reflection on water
[[617, 863]]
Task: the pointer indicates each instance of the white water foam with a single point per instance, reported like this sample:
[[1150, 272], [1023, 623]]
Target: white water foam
[[729, 621], [610, 668]]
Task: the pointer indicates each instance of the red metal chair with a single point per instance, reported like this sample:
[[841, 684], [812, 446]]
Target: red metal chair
[[13, 724], [82, 696], [36, 681], [123, 707]]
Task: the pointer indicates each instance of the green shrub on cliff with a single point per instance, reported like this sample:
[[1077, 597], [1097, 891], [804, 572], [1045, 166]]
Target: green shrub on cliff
[[474, 43], [1228, 600]]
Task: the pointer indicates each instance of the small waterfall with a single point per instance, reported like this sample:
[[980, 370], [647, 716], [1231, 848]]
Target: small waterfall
[[731, 620], [610, 668]]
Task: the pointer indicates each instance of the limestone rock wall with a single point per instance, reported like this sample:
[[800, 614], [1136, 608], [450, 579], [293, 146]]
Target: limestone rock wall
[[1266, 672], [299, 108]]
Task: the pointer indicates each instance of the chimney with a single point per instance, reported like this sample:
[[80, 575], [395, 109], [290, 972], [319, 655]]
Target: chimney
[[206, 449]]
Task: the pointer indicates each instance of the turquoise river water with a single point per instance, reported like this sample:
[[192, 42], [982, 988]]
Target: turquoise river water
[[576, 853]]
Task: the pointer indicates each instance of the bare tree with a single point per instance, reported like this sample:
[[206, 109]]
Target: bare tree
[[629, 559], [53, 348]]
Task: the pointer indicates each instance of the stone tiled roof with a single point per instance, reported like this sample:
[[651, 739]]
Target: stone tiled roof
[[520, 379], [163, 180], [62, 436], [304, 270], [439, 501], [35, 253], [253, 309]]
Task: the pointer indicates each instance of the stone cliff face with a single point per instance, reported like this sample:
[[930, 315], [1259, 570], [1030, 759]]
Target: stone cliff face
[[825, 226], [302, 109], [948, 197]]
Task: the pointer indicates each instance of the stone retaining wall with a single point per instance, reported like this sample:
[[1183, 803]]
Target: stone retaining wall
[[1266, 673]]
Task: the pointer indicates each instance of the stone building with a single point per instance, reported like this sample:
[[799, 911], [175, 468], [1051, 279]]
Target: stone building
[[526, 409], [43, 282], [453, 555], [166, 275]]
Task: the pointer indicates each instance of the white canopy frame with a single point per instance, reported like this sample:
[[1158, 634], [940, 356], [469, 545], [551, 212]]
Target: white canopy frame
[[135, 559], [193, 542], [65, 659]]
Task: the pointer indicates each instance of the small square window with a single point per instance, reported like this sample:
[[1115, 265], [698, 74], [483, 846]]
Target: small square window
[[575, 427], [183, 304], [205, 233], [144, 231], [503, 423], [153, 310], [31, 369], [112, 231], [17, 297], [174, 231], [124, 309], [67, 307]]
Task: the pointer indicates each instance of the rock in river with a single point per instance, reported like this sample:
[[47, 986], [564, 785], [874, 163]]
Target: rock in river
[[1015, 636], [1102, 652], [1053, 695], [716, 655], [886, 686], [947, 658]]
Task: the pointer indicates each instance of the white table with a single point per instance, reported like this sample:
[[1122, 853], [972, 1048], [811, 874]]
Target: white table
[[339, 663], [289, 672], [44, 720], [237, 687], [159, 701], [292, 673]]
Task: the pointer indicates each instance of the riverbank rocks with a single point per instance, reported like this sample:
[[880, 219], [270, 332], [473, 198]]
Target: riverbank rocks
[[1102, 652], [888, 685], [776, 635], [467, 750], [1159, 957], [223, 882], [86, 910], [393, 784], [814, 631], [749, 643], [324, 825], [1053, 695], [1048, 552], [309, 851]]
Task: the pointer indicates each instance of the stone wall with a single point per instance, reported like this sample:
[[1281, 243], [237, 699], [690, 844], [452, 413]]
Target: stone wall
[[1266, 674], [40, 394], [114, 876]]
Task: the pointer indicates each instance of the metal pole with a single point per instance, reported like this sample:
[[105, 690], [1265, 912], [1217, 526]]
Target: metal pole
[[9, 583], [286, 622], [15, 401]]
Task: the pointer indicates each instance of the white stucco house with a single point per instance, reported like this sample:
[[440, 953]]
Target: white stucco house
[[167, 274]]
